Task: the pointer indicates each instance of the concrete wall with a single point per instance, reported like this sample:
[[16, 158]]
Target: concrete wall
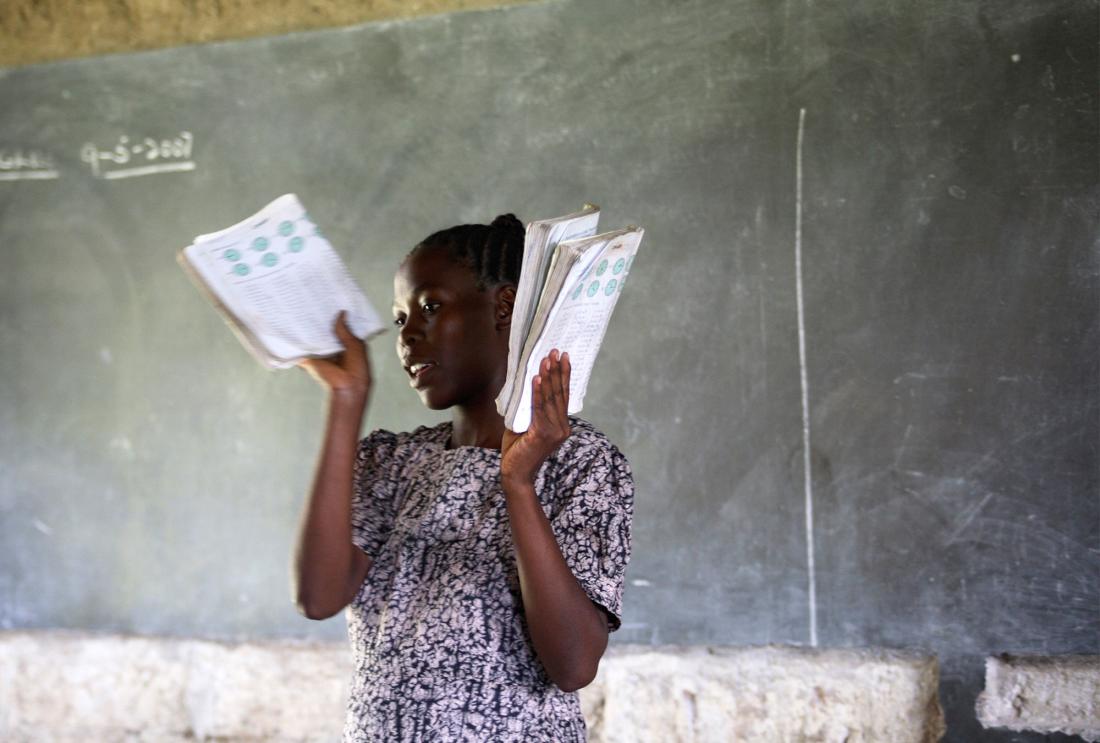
[[42, 30], [70, 686], [59, 687], [1043, 694]]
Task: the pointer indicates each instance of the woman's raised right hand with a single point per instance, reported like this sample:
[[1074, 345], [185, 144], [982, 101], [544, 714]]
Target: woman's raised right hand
[[347, 374]]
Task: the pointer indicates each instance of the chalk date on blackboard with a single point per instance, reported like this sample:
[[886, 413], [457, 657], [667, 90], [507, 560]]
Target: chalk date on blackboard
[[140, 156]]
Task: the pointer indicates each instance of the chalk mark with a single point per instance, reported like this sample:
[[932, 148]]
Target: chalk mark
[[150, 170], [30, 175], [967, 518], [807, 478]]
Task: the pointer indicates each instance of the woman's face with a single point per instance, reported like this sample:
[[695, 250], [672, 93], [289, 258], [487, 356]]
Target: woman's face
[[450, 338]]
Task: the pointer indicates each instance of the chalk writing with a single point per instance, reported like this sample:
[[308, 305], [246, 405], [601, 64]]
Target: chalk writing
[[20, 164], [140, 156]]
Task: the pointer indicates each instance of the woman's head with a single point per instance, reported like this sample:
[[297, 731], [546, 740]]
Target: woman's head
[[453, 297], [494, 252]]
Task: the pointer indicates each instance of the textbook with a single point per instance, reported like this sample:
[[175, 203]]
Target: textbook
[[569, 283], [279, 285]]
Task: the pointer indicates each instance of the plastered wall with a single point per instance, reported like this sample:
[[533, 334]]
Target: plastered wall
[[43, 30]]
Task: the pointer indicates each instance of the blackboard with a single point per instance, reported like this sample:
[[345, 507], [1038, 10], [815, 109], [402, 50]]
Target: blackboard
[[871, 228]]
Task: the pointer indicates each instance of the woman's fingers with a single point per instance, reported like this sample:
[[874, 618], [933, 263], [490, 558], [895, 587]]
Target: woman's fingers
[[563, 379], [348, 370], [536, 396], [549, 425], [343, 333], [321, 370], [550, 413], [343, 330], [560, 402], [354, 356]]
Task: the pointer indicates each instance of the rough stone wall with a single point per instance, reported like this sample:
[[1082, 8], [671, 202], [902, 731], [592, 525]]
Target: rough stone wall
[[68, 687], [42, 30], [697, 694], [1042, 694]]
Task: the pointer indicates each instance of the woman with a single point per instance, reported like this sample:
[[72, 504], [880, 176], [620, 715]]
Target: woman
[[482, 569]]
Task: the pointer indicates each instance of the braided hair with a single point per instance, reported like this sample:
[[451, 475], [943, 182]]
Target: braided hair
[[494, 252]]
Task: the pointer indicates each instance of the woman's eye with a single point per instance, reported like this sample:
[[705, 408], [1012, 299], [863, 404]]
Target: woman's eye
[[430, 307], [399, 321]]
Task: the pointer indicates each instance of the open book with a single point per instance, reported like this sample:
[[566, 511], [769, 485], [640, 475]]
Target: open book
[[279, 284], [569, 283]]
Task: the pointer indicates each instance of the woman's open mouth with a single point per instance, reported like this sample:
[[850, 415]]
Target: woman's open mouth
[[417, 372]]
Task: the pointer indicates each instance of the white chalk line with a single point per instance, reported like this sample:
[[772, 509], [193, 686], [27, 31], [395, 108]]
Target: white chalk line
[[30, 175], [150, 169], [807, 478]]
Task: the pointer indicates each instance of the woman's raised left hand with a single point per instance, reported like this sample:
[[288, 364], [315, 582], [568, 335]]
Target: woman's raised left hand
[[521, 454]]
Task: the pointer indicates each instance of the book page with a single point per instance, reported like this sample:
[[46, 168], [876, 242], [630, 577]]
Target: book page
[[568, 257], [578, 320], [541, 238], [561, 263], [282, 280]]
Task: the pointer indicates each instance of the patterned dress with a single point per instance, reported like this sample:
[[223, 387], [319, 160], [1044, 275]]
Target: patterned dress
[[439, 639]]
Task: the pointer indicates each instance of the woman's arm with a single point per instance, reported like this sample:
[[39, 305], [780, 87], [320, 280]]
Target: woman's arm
[[328, 568], [569, 632]]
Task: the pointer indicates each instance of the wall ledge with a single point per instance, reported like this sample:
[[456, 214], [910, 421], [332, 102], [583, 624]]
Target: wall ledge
[[69, 686], [1045, 694]]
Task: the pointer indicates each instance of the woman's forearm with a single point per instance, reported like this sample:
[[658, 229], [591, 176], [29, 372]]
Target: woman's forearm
[[568, 631], [327, 566]]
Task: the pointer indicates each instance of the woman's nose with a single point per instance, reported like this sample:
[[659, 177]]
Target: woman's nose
[[410, 332]]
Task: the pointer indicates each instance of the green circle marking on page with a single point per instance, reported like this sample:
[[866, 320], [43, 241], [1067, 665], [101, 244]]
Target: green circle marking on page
[[296, 244], [241, 269], [593, 288], [260, 243], [286, 227]]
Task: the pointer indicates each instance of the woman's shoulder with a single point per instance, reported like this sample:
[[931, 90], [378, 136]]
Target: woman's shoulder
[[588, 471], [586, 442], [584, 434]]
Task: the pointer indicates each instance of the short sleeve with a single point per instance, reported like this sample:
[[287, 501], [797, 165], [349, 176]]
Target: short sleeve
[[373, 509], [593, 526]]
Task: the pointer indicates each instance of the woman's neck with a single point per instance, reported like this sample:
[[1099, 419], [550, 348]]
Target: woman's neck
[[477, 425]]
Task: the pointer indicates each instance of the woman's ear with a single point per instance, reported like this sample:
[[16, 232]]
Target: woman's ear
[[505, 302]]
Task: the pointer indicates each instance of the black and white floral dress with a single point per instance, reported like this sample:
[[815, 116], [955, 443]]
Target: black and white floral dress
[[440, 643]]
